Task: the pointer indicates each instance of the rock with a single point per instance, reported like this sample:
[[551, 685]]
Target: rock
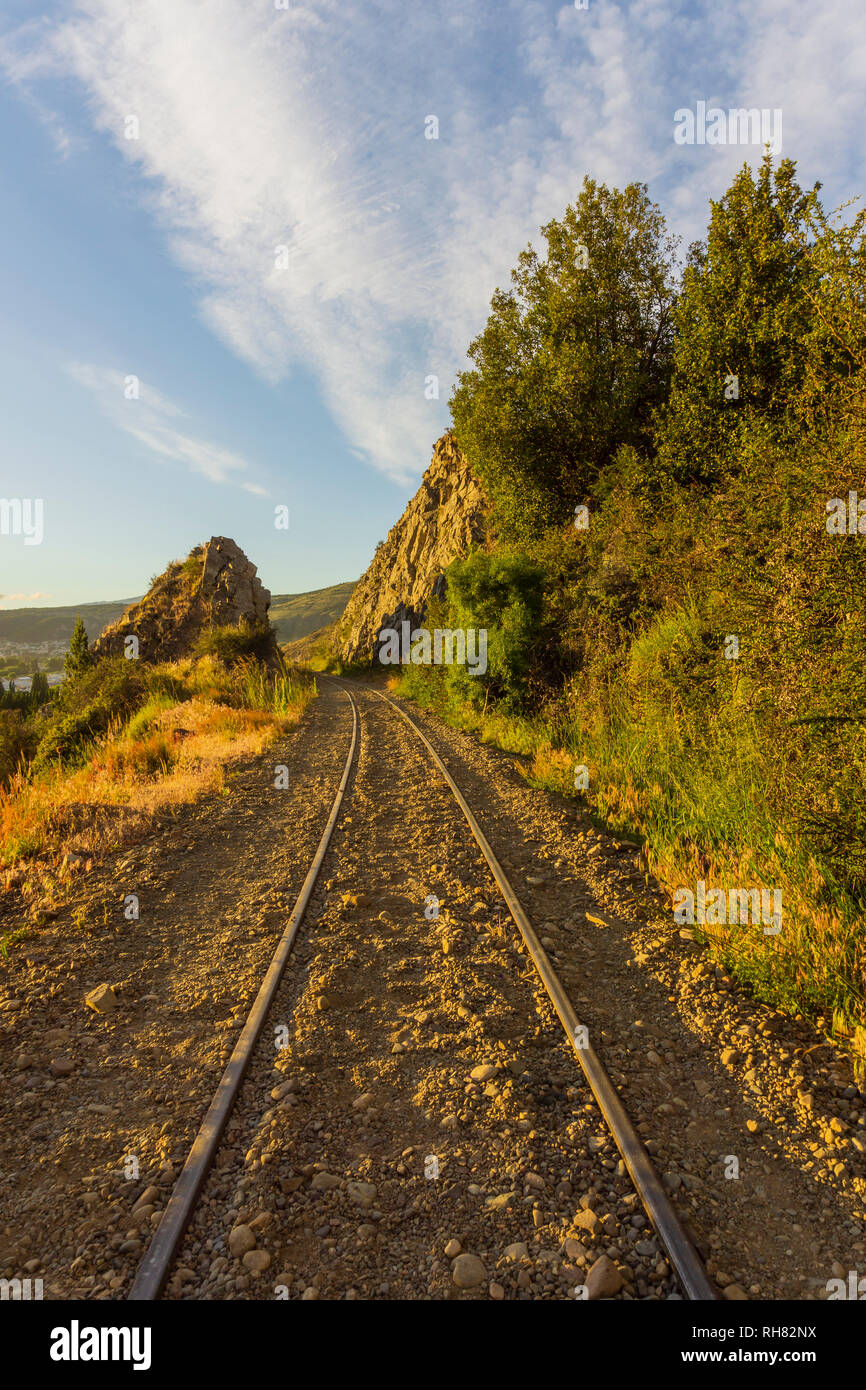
[[501, 1202], [62, 1066], [497, 1292], [257, 1261], [452, 1249], [363, 1193], [241, 1241], [468, 1272], [587, 1221], [309, 1294], [442, 521], [483, 1073], [287, 1088], [148, 1197], [216, 586], [572, 1247], [102, 999], [730, 1056], [734, 1293], [604, 1279], [324, 1182], [519, 1250]]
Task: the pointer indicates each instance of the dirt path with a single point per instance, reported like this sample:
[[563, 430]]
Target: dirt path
[[364, 1157], [86, 1098]]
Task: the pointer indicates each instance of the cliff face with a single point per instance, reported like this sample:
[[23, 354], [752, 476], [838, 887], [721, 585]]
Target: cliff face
[[444, 518], [216, 586]]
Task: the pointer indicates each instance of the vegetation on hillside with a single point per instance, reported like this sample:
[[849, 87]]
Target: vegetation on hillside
[[675, 592], [123, 740]]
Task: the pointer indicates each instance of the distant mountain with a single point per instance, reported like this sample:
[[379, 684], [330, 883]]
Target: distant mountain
[[32, 626], [297, 615], [41, 632]]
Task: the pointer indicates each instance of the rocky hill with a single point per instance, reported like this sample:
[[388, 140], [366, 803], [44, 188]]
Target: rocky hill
[[445, 517], [216, 586]]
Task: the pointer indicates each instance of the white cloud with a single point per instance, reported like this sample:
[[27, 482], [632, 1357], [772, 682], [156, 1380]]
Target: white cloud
[[304, 128], [146, 415]]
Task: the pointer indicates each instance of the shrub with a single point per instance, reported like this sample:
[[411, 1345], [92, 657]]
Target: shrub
[[17, 742], [235, 643], [501, 593]]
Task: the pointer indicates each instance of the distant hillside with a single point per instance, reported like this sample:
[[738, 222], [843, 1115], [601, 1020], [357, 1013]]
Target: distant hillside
[[28, 633], [297, 615], [31, 626]]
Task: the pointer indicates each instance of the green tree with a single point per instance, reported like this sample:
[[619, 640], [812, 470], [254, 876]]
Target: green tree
[[502, 594], [573, 361], [40, 692], [79, 656], [742, 321]]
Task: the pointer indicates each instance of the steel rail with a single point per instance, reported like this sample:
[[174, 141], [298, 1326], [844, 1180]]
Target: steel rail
[[683, 1256], [154, 1266]]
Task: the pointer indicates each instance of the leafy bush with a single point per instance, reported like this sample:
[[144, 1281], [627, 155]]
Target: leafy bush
[[231, 644], [17, 742], [501, 594], [101, 695]]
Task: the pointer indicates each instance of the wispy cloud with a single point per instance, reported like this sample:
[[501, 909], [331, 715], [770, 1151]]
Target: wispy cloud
[[151, 418], [22, 598], [303, 128]]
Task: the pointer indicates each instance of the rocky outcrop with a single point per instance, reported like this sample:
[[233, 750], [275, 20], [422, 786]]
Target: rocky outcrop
[[444, 519], [216, 586]]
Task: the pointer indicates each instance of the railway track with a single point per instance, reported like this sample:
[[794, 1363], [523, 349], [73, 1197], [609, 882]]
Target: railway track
[[156, 1264]]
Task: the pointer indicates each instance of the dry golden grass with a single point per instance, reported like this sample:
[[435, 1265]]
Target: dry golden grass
[[179, 754]]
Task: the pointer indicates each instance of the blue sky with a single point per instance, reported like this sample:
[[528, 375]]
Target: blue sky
[[256, 128]]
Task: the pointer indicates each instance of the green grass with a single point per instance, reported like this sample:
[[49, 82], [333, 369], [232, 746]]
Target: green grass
[[708, 809]]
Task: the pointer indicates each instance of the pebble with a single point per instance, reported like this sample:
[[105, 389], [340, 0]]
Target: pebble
[[587, 1221], [257, 1261], [147, 1198], [102, 999], [604, 1279], [468, 1272], [241, 1241], [363, 1193], [324, 1182], [453, 1249], [485, 1072], [519, 1250]]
